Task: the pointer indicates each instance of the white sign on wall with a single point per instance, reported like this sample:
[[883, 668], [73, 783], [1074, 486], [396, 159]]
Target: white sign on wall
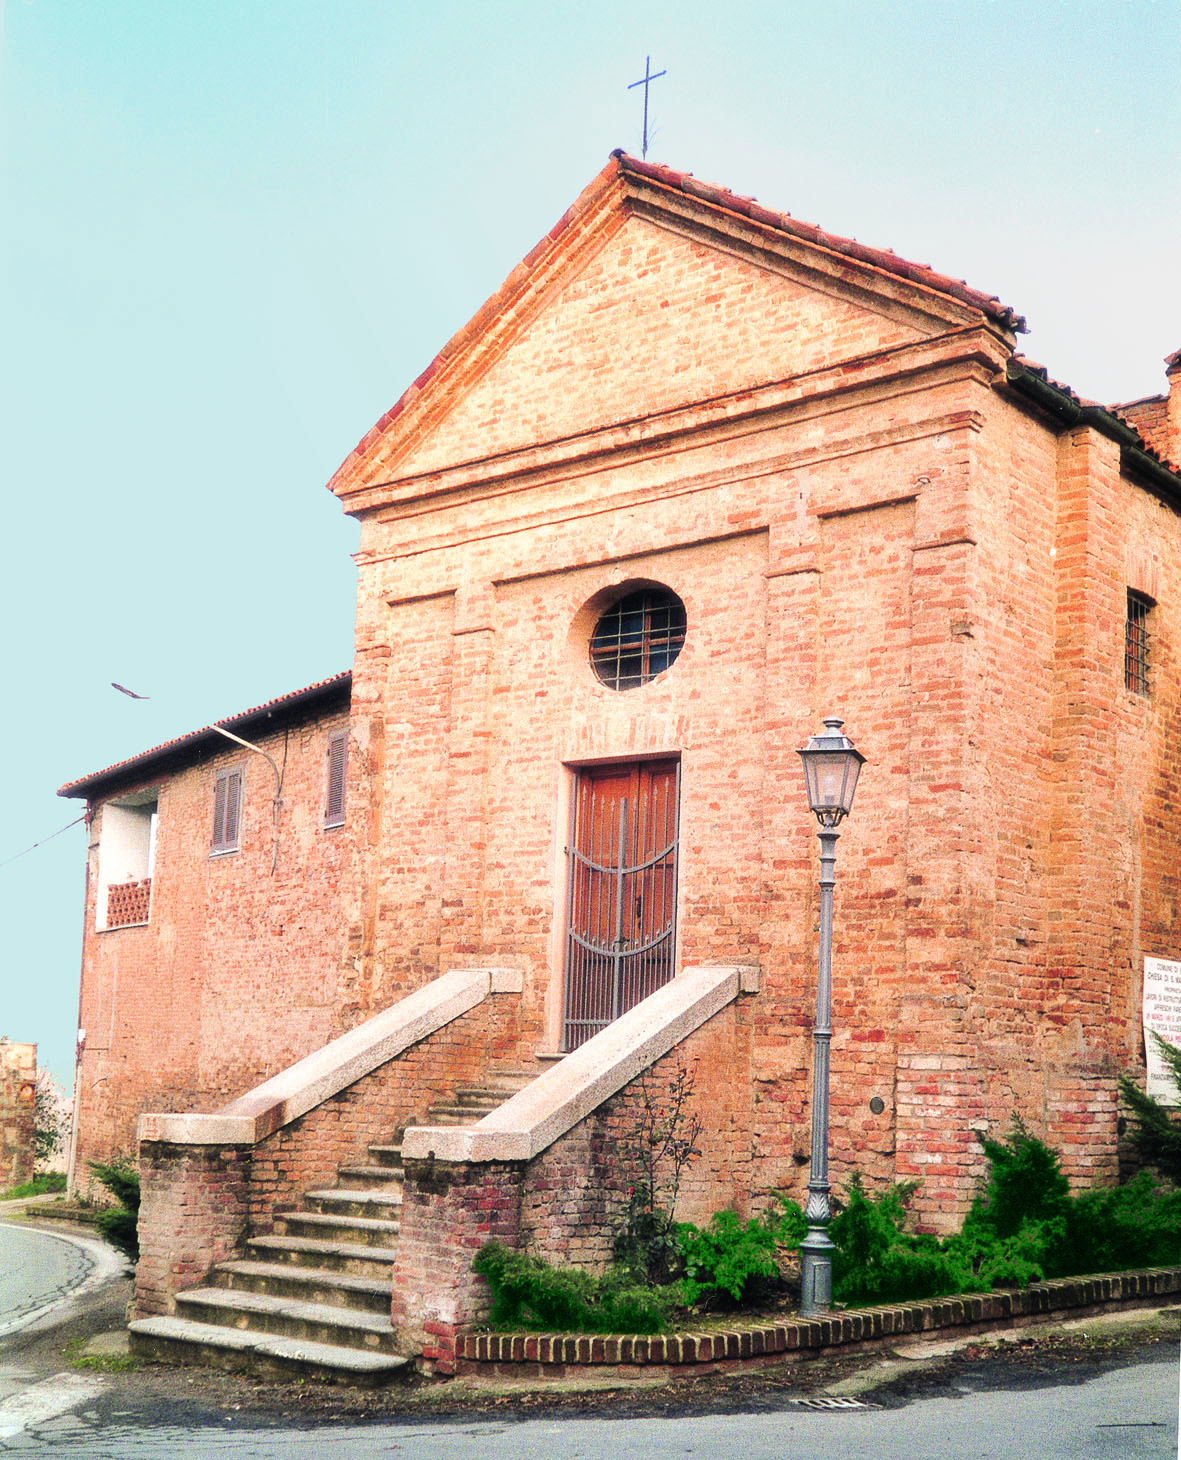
[[1162, 1012]]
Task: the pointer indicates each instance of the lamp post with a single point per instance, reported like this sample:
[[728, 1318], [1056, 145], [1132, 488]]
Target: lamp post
[[831, 767]]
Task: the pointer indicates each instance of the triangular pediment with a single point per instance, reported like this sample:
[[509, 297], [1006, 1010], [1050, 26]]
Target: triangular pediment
[[647, 298]]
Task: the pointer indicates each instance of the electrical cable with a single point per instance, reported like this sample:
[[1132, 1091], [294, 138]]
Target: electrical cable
[[43, 840]]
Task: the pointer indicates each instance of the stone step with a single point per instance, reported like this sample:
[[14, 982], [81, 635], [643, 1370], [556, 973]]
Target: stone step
[[310, 1284], [289, 1317], [451, 1115], [496, 1087], [387, 1156], [371, 1231], [356, 1258], [472, 1109], [181, 1341], [354, 1178], [470, 1102], [381, 1201]]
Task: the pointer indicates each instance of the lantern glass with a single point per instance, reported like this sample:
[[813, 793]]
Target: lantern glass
[[832, 764]]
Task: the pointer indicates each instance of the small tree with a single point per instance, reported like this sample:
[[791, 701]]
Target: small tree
[[50, 1126], [654, 1153], [1156, 1134]]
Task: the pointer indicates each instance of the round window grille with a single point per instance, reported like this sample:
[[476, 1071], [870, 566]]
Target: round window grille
[[638, 638]]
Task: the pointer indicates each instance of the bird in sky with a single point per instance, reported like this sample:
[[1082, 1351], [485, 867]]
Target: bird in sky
[[130, 693]]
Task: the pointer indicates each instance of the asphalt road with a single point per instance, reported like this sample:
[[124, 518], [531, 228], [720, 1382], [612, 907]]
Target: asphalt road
[[1126, 1413], [1107, 1393], [39, 1270]]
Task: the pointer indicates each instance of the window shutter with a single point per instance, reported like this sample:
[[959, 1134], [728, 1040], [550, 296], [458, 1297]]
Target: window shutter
[[233, 806], [227, 810], [338, 755], [219, 812]]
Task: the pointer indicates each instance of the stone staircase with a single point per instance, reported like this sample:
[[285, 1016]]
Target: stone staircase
[[313, 1296]]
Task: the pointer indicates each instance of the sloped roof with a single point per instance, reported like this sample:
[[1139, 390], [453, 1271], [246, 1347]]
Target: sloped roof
[[620, 168], [1117, 422], [324, 695], [1149, 415], [879, 258]]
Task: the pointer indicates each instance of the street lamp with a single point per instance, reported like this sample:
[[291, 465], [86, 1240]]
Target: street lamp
[[831, 766]]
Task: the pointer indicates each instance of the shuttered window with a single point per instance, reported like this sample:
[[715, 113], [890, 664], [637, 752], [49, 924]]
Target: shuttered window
[[338, 760], [227, 810]]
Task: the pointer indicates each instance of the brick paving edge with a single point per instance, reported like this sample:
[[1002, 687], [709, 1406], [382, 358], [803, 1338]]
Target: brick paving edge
[[644, 1356]]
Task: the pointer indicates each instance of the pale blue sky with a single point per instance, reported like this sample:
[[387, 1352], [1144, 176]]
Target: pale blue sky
[[235, 230]]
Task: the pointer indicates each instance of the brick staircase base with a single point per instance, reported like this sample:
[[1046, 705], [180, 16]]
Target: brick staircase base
[[313, 1297]]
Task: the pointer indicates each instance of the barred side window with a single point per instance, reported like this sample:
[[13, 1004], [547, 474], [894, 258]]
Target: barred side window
[[1136, 643], [338, 760], [227, 810]]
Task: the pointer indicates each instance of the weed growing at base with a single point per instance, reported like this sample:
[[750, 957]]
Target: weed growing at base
[[48, 1181]]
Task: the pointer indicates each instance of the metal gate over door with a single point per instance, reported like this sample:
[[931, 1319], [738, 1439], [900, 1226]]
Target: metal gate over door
[[621, 914]]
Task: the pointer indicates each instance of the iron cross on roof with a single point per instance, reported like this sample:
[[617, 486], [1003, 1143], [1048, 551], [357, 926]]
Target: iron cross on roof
[[645, 81]]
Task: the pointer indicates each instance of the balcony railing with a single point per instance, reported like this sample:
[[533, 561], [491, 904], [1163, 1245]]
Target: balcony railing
[[128, 903]]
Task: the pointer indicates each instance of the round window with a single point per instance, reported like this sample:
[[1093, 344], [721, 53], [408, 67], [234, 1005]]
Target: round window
[[637, 638]]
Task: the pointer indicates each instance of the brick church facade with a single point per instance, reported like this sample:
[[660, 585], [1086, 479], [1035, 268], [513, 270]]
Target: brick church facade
[[697, 476]]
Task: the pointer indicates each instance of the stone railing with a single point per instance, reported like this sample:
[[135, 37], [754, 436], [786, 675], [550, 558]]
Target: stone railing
[[537, 1160], [557, 1100], [339, 1064]]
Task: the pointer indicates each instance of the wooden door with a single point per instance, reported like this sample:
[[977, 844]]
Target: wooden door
[[621, 921]]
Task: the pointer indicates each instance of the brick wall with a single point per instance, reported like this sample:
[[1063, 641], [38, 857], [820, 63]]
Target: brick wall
[[237, 972], [573, 1194], [306, 1154], [18, 1095], [449, 1210], [193, 1213], [663, 295], [916, 551]]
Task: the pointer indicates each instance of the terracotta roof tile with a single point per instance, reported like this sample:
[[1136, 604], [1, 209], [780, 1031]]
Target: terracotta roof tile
[[879, 258], [147, 760], [1128, 414]]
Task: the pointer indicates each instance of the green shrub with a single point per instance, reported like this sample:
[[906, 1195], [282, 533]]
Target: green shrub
[[735, 1257], [656, 1145], [729, 1256], [1024, 1226], [647, 1246], [1017, 1230], [988, 1261], [1135, 1225], [530, 1293], [1025, 1185], [51, 1129], [877, 1260], [119, 1224], [1155, 1133]]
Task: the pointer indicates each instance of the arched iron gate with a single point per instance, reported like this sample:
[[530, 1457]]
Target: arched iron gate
[[621, 910]]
